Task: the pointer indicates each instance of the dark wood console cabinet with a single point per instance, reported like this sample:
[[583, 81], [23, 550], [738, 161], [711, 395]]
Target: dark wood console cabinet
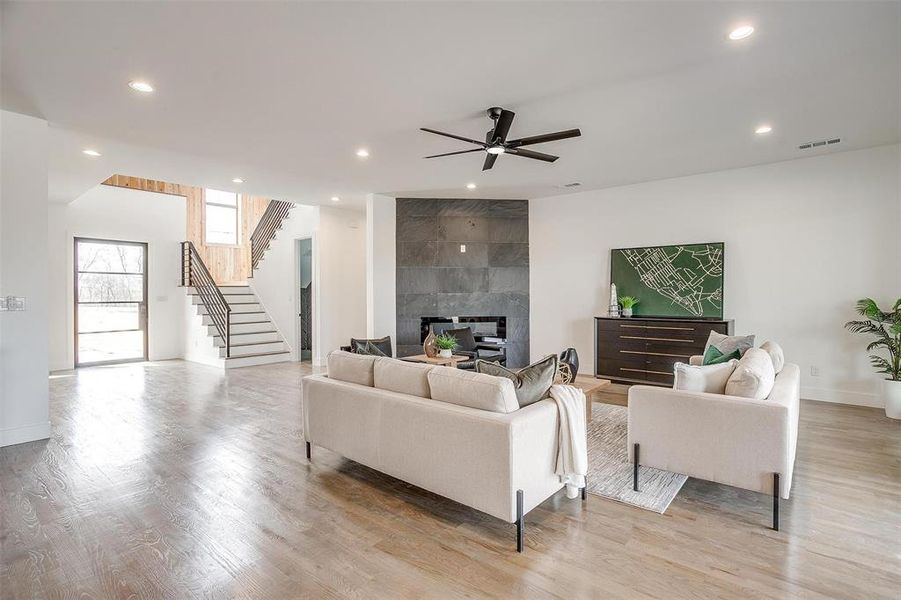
[[644, 349]]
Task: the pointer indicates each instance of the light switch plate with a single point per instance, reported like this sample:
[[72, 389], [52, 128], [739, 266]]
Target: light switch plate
[[15, 303]]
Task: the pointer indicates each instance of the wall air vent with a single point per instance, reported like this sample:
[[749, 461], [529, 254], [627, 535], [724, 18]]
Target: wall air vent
[[819, 144]]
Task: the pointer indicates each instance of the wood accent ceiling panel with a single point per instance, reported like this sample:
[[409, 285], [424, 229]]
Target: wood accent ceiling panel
[[227, 264]]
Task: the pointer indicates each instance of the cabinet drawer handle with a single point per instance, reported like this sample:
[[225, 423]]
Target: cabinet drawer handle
[[655, 339], [657, 327], [653, 353], [645, 371]]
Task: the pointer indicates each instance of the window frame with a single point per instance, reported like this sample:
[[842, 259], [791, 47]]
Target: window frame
[[236, 208]]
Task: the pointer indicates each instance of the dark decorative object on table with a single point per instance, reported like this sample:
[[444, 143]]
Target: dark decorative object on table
[[570, 358]]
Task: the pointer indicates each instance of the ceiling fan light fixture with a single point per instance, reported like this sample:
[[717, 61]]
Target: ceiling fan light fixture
[[495, 149]]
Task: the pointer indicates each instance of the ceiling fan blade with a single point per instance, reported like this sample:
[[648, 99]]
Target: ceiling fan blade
[[502, 127], [489, 161], [532, 154], [547, 137], [458, 152], [451, 135]]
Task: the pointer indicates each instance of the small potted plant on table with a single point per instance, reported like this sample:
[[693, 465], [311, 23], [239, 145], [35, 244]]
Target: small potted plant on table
[[627, 303], [446, 345], [886, 326]]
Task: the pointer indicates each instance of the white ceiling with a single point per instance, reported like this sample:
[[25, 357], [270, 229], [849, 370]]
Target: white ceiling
[[283, 93]]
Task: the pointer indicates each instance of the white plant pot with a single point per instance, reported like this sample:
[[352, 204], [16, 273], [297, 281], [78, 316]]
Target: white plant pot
[[627, 312], [891, 394], [445, 353]]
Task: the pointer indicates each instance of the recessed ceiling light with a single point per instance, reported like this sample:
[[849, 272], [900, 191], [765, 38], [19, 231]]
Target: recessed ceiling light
[[363, 153], [140, 86], [740, 33], [335, 199], [470, 186], [763, 130], [237, 180], [91, 152]]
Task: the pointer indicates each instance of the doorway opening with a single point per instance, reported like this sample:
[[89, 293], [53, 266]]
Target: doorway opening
[[305, 299], [110, 301]]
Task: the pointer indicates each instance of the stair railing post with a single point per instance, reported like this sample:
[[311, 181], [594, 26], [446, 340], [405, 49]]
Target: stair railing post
[[228, 332]]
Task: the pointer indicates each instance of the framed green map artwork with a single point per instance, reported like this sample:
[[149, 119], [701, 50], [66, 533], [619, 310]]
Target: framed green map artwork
[[671, 281]]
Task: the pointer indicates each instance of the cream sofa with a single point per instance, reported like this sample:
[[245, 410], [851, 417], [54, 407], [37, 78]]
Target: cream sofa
[[736, 441], [456, 433]]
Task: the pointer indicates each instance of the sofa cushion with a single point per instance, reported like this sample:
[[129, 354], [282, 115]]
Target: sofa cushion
[[531, 383], [351, 367], [475, 390], [703, 378], [776, 355], [753, 376], [402, 376], [729, 343], [369, 348]]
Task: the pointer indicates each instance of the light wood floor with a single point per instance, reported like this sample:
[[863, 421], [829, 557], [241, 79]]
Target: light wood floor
[[174, 480]]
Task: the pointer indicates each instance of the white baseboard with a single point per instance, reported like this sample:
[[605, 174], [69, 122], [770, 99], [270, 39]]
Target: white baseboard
[[25, 433], [842, 397]]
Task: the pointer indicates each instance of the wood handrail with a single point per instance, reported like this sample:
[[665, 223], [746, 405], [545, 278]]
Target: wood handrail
[[266, 229], [195, 274]]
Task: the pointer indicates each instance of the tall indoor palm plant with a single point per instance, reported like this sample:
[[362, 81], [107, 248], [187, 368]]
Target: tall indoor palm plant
[[886, 327]]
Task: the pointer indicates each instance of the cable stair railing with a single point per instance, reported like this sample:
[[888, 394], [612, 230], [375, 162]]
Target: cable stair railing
[[266, 229], [195, 274]]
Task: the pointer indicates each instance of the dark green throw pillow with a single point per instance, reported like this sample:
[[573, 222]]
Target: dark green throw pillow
[[531, 383], [714, 357]]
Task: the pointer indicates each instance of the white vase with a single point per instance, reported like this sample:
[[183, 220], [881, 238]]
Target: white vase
[[891, 394], [445, 353], [627, 312]]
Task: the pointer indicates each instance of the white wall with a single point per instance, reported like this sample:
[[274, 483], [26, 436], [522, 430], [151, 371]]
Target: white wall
[[804, 240], [341, 250], [339, 277], [24, 404], [381, 267], [275, 280], [130, 215]]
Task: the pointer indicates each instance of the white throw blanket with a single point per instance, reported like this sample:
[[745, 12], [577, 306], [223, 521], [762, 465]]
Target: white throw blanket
[[572, 444]]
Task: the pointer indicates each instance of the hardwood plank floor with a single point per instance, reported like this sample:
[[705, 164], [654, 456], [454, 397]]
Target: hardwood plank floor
[[175, 480]]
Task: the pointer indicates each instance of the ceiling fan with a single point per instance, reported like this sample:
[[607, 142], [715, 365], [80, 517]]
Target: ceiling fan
[[496, 141]]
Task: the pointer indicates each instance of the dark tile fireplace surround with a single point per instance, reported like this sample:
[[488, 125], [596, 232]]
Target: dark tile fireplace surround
[[436, 278]]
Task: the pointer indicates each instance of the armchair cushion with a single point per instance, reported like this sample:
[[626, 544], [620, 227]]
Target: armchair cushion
[[466, 341], [776, 355], [706, 378], [753, 377]]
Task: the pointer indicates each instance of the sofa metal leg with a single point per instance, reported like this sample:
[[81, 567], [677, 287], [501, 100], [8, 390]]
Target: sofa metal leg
[[635, 467], [520, 523], [309, 451], [776, 489], [585, 489]]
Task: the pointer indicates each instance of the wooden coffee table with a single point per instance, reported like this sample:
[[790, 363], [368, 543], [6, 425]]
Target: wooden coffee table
[[438, 360], [591, 386]]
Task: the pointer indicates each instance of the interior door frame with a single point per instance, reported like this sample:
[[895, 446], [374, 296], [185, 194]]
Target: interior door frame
[[143, 315]]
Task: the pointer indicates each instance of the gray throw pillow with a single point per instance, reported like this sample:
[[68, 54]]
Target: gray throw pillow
[[369, 349], [727, 344], [531, 383]]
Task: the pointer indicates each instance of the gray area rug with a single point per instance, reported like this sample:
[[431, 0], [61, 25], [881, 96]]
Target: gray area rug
[[609, 469]]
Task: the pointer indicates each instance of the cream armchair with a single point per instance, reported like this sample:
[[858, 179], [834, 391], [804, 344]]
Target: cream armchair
[[735, 441]]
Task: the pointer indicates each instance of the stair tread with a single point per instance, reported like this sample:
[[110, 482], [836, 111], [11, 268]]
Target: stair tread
[[258, 354], [249, 333], [256, 343]]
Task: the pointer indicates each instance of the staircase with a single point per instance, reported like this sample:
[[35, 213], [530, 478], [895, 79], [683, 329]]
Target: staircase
[[236, 331], [254, 339]]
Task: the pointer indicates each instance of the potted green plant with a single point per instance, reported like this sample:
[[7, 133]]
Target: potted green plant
[[886, 327], [446, 345], [627, 302]]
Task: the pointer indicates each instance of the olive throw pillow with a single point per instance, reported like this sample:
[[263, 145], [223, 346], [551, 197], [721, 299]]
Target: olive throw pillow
[[531, 383]]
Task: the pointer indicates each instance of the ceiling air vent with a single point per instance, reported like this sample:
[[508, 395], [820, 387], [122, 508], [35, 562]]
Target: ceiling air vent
[[571, 185], [819, 143]]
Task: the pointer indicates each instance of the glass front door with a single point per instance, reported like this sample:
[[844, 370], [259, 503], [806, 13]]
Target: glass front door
[[110, 301]]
